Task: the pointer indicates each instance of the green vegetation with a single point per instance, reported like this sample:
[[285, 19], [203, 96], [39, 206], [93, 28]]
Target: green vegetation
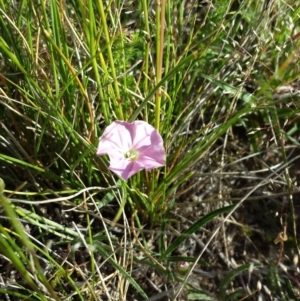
[[219, 80]]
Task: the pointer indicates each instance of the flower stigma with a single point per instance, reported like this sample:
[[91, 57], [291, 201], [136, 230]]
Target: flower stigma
[[131, 155]]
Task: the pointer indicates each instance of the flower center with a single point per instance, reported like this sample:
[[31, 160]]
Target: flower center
[[131, 155]]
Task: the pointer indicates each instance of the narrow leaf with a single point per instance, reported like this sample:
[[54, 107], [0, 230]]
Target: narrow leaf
[[193, 229]]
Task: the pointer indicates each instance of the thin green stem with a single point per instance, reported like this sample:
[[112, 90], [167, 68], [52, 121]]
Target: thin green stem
[[118, 101], [147, 50], [5, 204], [160, 26], [92, 46]]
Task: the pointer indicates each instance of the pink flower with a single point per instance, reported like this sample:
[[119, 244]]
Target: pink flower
[[132, 147]]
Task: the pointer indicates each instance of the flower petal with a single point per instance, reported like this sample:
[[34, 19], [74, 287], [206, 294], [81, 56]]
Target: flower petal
[[124, 168], [115, 138], [144, 135], [155, 151], [152, 156]]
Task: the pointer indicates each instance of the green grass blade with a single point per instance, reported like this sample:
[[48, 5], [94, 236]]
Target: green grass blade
[[196, 226]]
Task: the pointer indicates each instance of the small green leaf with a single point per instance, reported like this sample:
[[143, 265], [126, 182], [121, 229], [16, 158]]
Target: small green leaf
[[289, 289], [200, 297], [2, 186], [245, 96], [230, 276]]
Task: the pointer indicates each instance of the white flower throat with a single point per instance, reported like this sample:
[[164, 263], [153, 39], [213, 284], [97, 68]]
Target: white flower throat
[[131, 155]]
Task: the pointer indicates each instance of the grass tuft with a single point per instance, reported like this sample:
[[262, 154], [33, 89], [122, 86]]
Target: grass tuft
[[219, 80]]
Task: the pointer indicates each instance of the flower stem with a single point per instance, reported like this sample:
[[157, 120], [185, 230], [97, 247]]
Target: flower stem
[[111, 60], [160, 26], [147, 49]]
